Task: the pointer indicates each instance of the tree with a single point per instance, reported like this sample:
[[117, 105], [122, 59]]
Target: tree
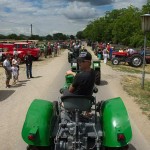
[[49, 37], [59, 36], [80, 35], [72, 37]]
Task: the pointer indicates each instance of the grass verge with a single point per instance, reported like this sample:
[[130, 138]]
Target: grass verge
[[126, 68], [132, 85]]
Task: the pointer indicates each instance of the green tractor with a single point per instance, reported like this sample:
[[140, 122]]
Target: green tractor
[[63, 125]]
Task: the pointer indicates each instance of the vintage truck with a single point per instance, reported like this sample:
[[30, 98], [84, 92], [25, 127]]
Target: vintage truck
[[22, 49]]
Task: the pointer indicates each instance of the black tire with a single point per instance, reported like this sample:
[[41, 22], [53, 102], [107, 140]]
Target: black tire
[[61, 91], [115, 61], [97, 77], [56, 109], [136, 60], [116, 148]]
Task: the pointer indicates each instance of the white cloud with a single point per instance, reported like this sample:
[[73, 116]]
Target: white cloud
[[51, 16], [78, 10]]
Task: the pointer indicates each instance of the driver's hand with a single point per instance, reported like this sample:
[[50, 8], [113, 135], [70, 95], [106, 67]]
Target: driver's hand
[[69, 72]]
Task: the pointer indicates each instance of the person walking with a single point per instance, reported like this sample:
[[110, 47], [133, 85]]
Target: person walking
[[7, 67], [28, 62]]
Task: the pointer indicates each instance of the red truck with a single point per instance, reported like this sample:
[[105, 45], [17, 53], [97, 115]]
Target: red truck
[[22, 49]]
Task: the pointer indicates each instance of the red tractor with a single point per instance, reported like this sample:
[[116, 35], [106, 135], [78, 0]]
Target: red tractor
[[134, 59]]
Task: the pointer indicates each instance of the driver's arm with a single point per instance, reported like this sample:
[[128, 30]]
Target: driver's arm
[[75, 83], [71, 89]]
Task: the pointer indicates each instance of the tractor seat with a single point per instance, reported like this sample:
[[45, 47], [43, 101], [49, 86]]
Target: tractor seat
[[78, 102]]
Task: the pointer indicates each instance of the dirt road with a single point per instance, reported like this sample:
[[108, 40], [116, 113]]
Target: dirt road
[[49, 78]]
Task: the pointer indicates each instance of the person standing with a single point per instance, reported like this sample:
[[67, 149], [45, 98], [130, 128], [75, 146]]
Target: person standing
[[15, 52], [7, 67], [28, 61], [14, 70], [16, 60], [105, 55]]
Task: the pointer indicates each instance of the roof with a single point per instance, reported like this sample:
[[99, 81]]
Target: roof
[[21, 43]]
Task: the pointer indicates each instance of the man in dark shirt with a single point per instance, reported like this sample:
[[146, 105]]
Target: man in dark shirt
[[84, 81], [28, 62]]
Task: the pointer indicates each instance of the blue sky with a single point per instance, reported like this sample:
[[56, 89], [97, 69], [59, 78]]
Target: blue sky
[[53, 16]]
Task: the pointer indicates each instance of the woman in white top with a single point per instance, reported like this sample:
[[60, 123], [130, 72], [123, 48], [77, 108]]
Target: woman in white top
[[105, 55]]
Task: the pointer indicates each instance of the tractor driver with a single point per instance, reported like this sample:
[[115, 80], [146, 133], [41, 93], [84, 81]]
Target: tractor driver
[[83, 83]]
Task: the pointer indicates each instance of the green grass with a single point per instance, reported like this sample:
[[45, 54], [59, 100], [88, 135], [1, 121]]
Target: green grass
[[126, 68], [132, 85]]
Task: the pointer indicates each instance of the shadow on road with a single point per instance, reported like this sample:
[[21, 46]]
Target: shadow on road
[[24, 80], [4, 94], [18, 85], [131, 147], [37, 76], [103, 82]]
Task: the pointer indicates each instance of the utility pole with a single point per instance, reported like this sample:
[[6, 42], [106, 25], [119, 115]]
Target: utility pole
[[31, 30]]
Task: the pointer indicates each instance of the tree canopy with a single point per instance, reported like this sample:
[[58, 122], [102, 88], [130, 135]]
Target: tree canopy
[[118, 26]]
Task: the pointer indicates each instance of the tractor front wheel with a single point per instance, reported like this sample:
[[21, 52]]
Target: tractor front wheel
[[97, 77], [115, 61]]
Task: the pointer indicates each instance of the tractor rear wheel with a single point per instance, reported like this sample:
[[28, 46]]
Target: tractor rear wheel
[[136, 60], [116, 148]]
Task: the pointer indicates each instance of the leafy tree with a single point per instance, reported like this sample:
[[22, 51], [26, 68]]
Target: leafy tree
[[59, 36], [72, 37], [79, 35], [48, 37], [12, 36]]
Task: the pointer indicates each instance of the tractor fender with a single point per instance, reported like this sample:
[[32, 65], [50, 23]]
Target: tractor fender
[[115, 122], [38, 123], [96, 64]]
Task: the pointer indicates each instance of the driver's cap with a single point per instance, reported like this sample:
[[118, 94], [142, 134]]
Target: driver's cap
[[85, 56]]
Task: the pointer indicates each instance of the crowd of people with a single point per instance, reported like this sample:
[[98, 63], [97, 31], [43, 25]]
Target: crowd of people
[[102, 50], [11, 69], [105, 50], [50, 49], [11, 65]]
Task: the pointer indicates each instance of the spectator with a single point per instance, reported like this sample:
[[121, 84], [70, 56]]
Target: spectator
[[14, 70], [45, 50], [15, 52], [110, 52], [16, 60], [59, 49], [105, 55], [130, 51], [7, 67], [28, 62], [99, 54]]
